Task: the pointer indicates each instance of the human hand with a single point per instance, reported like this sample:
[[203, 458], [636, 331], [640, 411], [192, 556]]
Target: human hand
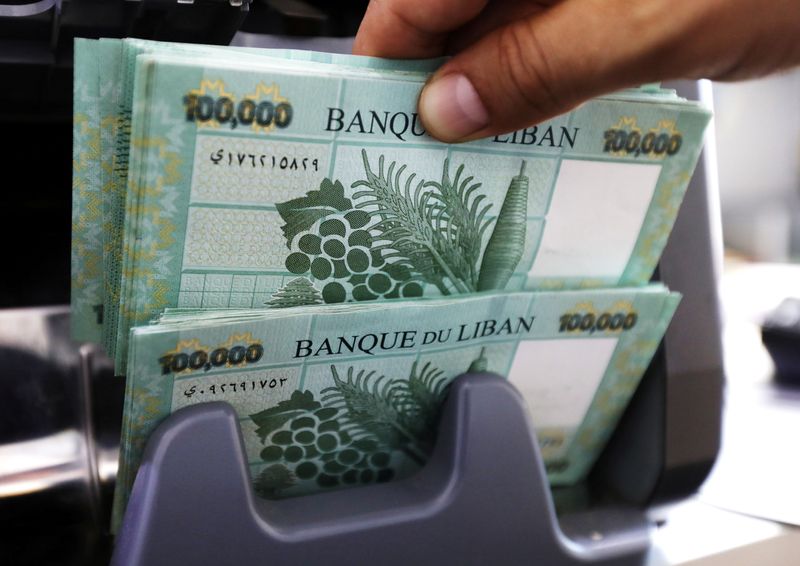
[[519, 62]]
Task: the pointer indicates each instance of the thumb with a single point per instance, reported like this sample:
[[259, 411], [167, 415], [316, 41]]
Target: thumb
[[533, 69]]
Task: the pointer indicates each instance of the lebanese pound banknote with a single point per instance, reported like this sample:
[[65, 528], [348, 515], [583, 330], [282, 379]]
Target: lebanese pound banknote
[[238, 172], [104, 74], [87, 198], [333, 396]]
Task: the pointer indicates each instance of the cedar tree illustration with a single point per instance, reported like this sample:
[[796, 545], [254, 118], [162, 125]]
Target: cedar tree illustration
[[295, 293]]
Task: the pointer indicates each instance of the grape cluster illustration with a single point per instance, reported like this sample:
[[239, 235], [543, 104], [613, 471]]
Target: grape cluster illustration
[[340, 254], [357, 432], [313, 448]]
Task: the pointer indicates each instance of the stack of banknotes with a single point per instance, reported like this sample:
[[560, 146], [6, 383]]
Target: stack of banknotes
[[275, 229]]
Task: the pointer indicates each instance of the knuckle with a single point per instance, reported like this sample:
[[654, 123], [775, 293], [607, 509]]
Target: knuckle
[[525, 64]]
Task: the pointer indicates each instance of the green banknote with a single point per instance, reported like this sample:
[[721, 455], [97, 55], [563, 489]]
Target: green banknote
[[339, 395], [236, 173], [107, 66], [87, 198]]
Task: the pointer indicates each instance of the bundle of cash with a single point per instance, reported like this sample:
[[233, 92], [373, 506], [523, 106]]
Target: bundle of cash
[[341, 395], [275, 229], [210, 177]]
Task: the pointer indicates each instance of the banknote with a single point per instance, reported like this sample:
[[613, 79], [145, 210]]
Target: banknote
[[87, 215], [334, 180], [116, 59], [236, 173], [336, 395]]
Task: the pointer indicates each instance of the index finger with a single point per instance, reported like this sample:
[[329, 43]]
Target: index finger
[[405, 29]]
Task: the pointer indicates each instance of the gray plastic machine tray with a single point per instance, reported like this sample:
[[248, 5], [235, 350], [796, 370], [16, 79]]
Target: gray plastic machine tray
[[482, 499]]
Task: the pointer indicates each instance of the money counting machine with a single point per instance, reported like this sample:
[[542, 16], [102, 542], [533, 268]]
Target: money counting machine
[[477, 500]]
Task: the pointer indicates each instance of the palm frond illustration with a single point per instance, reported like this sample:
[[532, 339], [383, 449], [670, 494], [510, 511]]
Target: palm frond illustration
[[423, 394], [439, 233], [412, 225], [465, 214], [373, 408]]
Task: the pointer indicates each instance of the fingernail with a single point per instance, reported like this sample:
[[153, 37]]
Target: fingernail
[[451, 108]]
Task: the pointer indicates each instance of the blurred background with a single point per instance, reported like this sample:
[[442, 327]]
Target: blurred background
[[757, 126]]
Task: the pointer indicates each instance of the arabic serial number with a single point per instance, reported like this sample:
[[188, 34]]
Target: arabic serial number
[[263, 161]]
